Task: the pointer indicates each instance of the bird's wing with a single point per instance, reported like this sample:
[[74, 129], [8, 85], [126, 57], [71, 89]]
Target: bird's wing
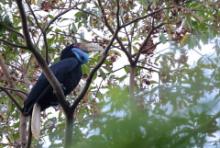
[[65, 66], [42, 85], [38, 90]]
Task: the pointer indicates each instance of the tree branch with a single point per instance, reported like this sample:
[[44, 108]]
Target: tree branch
[[42, 31], [47, 72], [12, 89], [12, 98], [11, 29], [143, 17], [146, 68], [117, 13], [12, 44], [57, 16]]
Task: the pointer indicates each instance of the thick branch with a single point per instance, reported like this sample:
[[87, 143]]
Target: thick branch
[[48, 73], [117, 13]]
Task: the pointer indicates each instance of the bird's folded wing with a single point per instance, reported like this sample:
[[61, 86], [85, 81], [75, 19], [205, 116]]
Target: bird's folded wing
[[64, 66]]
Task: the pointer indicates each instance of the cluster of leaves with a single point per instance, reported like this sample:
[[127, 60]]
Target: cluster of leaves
[[186, 114]]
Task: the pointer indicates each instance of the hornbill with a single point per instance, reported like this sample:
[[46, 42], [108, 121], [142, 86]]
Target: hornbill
[[67, 71]]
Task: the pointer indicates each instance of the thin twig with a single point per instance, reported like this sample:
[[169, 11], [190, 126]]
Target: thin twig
[[128, 38], [144, 17], [11, 29], [12, 98], [12, 44], [99, 87], [86, 12], [146, 68], [12, 89], [56, 17], [42, 31]]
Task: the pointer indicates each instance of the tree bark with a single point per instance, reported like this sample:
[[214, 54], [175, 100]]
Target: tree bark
[[132, 81], [68, 141]]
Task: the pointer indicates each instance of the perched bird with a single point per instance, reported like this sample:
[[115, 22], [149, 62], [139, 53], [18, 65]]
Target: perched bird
[[67, 71]]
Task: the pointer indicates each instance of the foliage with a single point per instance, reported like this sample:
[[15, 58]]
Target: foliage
[[167, 102]]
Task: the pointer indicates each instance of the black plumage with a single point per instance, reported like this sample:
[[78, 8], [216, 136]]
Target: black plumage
[[67, 71]]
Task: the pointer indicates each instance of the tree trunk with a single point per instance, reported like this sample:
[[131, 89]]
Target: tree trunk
[[132, 81], [23, 130], [68, 141]]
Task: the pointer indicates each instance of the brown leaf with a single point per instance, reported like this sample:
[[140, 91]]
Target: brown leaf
[[46, 6], [149, 47]]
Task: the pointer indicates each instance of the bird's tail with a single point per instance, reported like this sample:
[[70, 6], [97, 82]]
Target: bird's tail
[[35, 121]]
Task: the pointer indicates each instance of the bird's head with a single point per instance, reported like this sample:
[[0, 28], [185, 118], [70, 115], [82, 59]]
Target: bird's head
[[80, 51]]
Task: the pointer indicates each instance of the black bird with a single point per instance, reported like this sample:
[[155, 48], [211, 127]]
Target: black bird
[[67, 71]]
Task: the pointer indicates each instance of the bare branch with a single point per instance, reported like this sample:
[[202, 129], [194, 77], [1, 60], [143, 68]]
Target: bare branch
[[11, 29], [12, 44], [128, 37], [42, 31], [143, 17], [12, 98], [56, 17], [117, 13], [146, 68], [16, 90], [35, 17]]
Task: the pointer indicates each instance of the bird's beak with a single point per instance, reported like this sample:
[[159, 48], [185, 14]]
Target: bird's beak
[[91, 47]]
